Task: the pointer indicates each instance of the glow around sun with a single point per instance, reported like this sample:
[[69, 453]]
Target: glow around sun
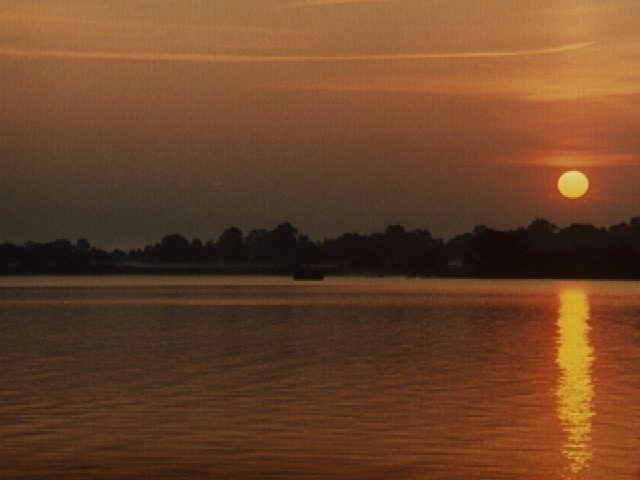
[[573, 184]]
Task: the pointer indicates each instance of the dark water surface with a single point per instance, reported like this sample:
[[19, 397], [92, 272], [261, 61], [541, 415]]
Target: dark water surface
[[254, 378]]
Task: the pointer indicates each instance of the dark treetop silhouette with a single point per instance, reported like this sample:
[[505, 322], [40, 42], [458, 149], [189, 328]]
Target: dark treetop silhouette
[[538, 250]]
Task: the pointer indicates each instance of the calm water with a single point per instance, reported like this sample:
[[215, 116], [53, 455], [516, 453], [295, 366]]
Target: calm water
[[253, 378]]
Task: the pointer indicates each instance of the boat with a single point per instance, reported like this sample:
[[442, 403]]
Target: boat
[[307, 274]]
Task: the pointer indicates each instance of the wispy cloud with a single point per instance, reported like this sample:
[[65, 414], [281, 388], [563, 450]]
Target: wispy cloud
[[574, 159], [207, 58]]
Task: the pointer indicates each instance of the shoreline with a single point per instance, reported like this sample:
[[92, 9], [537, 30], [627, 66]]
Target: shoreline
[[193, 271]]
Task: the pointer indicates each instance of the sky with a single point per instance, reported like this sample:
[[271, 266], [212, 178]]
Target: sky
[[125, 120]]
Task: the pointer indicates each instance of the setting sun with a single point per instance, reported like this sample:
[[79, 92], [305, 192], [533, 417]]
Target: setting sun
[[573, 184]]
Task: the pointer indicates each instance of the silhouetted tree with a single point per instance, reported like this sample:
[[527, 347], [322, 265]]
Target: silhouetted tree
[[231, 245], [196, 251], [539, 250], [83, 245], [173, 248]]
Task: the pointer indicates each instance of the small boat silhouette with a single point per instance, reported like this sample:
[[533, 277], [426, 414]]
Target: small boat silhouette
[[307, 274]]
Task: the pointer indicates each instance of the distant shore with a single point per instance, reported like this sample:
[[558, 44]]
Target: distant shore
[[539, 250], [280, 271]]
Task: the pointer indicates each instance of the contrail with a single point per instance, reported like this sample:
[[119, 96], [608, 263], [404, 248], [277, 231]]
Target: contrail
[[204, 58], [319, 3]]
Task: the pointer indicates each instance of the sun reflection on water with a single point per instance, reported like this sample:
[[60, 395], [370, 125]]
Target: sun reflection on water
[[575, 386]]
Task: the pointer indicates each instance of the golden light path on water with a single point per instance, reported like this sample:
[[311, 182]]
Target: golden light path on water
[[575, 386]]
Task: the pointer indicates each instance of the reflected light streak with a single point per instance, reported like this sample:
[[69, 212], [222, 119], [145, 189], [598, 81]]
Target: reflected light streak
[[575, 386]]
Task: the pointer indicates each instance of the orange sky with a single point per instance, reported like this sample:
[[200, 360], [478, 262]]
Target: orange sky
[[124, 120]]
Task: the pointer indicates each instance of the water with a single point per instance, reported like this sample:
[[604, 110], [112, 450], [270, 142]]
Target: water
[[254, 378]]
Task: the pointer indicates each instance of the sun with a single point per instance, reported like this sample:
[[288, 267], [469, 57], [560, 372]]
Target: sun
[[573, 184]]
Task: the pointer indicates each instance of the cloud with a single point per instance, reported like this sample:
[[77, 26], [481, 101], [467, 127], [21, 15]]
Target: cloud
[[223, 58], [574, 159]]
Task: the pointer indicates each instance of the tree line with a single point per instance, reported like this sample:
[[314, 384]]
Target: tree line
[[540, 249]]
